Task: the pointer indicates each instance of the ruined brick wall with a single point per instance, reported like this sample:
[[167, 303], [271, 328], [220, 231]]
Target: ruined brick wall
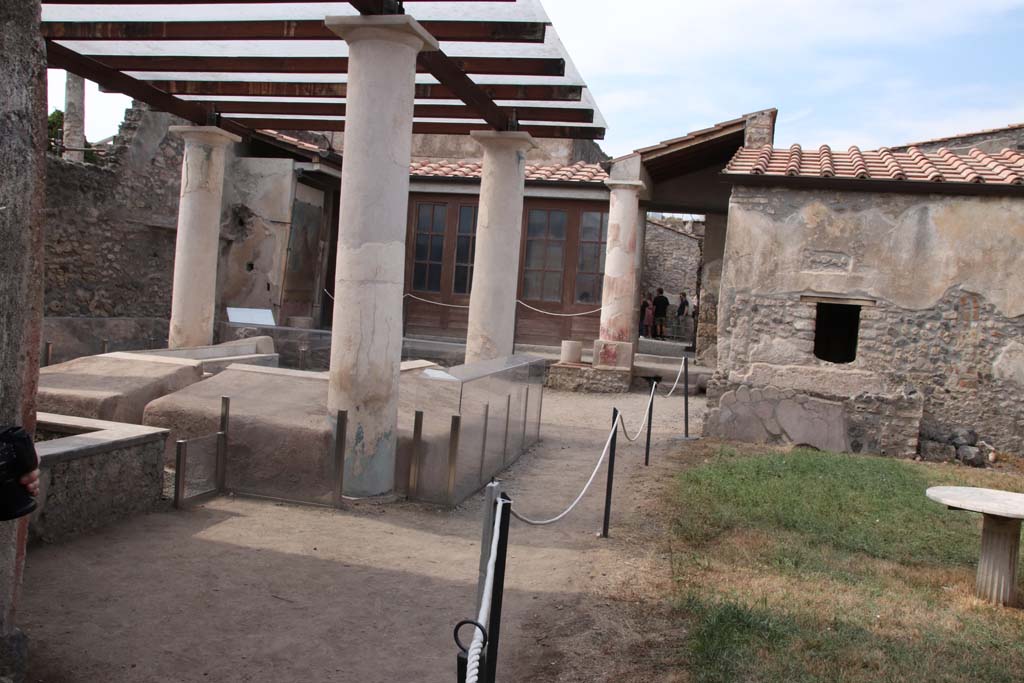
[[110, 228], [672, 258], [946, 275], [993, 141]]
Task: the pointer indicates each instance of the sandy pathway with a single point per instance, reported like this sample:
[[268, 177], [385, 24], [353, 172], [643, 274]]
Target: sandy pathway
[[244, 590]]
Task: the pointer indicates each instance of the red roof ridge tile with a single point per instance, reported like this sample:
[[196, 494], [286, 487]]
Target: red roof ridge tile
[[931, 173], [795, 157], [826, 166], [860, 167], [763, 159], [892, 166], [964, 169]]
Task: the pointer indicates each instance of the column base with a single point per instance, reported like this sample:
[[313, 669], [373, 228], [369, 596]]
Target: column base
[[997, 568], [14, 656], [611, 355]]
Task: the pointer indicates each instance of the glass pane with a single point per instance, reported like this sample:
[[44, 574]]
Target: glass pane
[[531, 284], [469, 279], [419, 277], [552, 286], [590, 226], [554, 256], [440, 217], [604, 227], [434, 278], [461, 279], [422, 247], [537, 225], [437, 248], [467, 220], [535, 254], [425, 211], [603, 252], [585, 289], [588, 258], [462, 252], [556, 225]]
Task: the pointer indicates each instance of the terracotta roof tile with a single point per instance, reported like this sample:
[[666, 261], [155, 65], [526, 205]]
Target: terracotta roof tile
[[579, 172], [943, 166]]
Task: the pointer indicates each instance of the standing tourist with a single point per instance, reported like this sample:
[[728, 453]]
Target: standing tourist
[[661, 304]]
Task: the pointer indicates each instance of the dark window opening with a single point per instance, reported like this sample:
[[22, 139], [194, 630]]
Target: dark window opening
[[429, 256], [836, 328], [465, 246]]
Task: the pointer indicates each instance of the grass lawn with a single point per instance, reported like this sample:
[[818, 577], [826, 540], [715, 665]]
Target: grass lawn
[[808, 566]]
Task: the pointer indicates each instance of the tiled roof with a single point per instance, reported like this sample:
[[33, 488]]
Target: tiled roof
[[943, 166], [579, 172]]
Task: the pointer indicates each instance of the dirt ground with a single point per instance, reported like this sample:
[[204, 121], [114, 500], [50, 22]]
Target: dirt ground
[[246, 590]]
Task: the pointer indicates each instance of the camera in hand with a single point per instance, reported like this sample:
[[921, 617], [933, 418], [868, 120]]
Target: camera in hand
[[17, 458]]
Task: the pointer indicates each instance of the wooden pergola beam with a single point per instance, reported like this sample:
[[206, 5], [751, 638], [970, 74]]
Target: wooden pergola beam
[[505, 66], [463, 31], [428, 127], [426, 111], [424, 91]]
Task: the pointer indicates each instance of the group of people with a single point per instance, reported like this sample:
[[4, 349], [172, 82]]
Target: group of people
[[654, 313]]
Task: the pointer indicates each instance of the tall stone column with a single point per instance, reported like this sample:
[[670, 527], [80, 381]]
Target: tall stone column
[[194, 296], [366, 339], [492, 300], [23, 132], [74, 117], [614, 348]]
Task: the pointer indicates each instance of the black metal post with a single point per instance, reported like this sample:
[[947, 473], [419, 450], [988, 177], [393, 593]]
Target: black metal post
[[222, 444], [686, 397], [414, 459], [650, 423], [180, 463], [105, 345], [483, 444], [48, 355], [453, 455], [302, 357], [340, 436], [611, 474], [497, 593]]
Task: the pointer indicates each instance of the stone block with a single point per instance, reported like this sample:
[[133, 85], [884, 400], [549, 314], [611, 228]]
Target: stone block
[[937, 451], [611, 355], [588, 379], [572, 352]]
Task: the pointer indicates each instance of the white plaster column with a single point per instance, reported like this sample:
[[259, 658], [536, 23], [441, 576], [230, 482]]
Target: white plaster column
[[366, 340], [193, 298], [492, 300], [620, 276], [74, 117]]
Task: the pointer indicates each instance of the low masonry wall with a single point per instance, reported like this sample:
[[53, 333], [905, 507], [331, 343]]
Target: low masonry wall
[[94, 473]]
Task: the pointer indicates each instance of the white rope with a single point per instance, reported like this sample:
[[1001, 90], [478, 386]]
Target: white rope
[[679, 374], [607, 445], [647, 414], [436, 303], [557, 315], [518, 301], [328, 293], [477, 645]]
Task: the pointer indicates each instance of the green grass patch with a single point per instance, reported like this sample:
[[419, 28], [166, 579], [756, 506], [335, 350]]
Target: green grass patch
[[809, 566]]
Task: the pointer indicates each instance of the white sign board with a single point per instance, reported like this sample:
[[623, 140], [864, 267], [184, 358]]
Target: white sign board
[[251, 316]]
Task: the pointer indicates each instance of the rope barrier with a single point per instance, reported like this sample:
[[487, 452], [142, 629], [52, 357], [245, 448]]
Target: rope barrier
[[597, 467], [647, 412], [328, 293], [556, 315], [518, 301], [477, 645], [678, 375]]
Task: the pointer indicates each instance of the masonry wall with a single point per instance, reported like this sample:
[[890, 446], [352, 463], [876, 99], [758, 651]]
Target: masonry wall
[[672, 258], [946, 275], [992, 141]]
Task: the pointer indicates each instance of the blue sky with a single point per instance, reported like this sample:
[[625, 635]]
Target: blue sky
[[863, 72]]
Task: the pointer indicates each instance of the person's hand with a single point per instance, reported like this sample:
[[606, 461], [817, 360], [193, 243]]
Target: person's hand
[[31, 482]]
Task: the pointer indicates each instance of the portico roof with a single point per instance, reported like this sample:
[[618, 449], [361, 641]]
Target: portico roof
[[274, 64]]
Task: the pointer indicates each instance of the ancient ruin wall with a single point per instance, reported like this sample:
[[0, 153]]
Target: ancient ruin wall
[[947, 274], [110, 228], [671, 259]]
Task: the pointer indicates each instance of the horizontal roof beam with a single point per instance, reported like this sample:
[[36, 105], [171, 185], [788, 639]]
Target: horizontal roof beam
[[471, 31], [429, 127], [503, 66], [427, 111], [424, 91]]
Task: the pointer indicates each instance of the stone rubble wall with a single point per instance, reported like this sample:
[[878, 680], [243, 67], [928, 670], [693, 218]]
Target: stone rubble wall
[[110, 229], [672, 259], [946, 324]]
